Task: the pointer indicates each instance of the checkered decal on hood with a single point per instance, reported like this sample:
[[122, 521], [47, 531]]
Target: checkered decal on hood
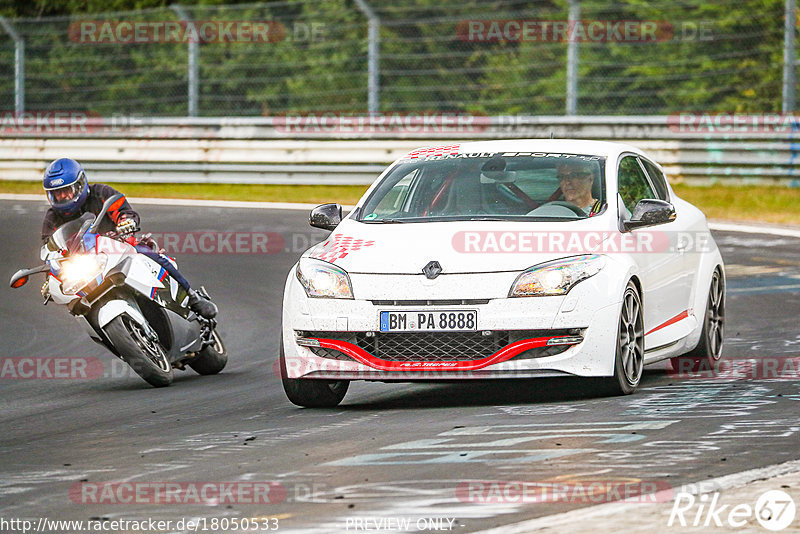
[[339, 246]]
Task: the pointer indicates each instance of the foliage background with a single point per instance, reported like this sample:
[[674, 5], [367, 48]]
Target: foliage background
[[721, 55]]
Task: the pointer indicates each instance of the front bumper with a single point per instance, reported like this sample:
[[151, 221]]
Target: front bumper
[[340, 327]]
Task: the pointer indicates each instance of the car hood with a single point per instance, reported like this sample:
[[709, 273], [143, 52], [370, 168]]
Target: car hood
[[458, 246]]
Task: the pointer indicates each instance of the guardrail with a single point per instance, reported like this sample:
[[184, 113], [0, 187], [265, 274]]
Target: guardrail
[[274, 150]]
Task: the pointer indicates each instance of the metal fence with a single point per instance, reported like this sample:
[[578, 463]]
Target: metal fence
[[496, 57]]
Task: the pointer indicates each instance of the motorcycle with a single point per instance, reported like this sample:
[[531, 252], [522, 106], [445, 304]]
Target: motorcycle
[[126, 302]]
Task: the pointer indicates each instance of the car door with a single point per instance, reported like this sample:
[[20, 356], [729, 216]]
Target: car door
[[665, 283]]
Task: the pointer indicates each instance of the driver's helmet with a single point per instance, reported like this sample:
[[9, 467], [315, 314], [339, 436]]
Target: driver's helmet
[[66, 186]]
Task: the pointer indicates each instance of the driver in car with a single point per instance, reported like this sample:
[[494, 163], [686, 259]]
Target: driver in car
[[575, 177], [70, 196]]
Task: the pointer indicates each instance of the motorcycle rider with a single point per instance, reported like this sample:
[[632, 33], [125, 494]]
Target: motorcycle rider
[[70, 196]]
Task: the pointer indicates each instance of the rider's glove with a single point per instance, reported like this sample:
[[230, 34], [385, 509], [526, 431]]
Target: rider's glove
[[126, 227]]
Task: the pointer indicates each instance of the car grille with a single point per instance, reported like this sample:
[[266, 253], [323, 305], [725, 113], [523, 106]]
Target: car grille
[[432, 346], [451, 302]]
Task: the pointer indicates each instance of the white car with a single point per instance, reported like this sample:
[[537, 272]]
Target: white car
[[504, 259]]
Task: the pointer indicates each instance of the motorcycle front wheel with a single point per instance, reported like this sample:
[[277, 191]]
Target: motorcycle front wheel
[[146, 357], [212, 359]]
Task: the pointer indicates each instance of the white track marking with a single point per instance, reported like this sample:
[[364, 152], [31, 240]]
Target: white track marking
[[727, 482]]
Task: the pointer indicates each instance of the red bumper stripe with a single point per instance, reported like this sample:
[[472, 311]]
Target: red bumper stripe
[[362, 356], [680, 317]]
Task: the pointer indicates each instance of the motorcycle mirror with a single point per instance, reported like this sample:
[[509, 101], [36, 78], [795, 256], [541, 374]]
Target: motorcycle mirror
[[112, 204], [20, 277]]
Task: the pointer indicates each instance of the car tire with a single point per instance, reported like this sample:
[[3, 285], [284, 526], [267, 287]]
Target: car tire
[[706, 355], [629, 354], [311, 392]]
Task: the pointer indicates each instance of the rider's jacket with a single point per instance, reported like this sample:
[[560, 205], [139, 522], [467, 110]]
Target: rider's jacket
[[98, 194]]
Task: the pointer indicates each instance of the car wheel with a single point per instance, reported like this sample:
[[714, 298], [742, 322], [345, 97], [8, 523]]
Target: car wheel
[[707, 353], [629, 357], [310, 392]]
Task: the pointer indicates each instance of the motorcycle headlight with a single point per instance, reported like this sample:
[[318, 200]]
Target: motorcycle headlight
[[556, 277], [324, 280], [78, 271]]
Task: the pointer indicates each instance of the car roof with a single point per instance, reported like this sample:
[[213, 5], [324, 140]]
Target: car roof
[[607, 149]]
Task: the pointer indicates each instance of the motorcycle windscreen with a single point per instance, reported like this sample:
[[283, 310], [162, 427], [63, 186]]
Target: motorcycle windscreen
[[61, 237]]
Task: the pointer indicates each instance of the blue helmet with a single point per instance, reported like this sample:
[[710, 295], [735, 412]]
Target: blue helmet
[[66, 186]]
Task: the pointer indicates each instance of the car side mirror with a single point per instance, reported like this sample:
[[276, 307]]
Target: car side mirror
[[649, 212], [326, 216]]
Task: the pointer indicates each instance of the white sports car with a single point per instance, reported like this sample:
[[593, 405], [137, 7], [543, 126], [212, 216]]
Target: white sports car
[[504, 259]]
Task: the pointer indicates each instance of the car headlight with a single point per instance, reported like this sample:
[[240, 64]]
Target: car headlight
[[556, 277], [324, 280], [78, 271]]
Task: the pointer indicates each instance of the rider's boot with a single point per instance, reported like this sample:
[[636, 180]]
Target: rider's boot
[[201, 305]]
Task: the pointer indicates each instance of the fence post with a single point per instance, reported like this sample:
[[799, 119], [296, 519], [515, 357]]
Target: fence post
[[572, 58], [19, 65], [193, 91], [373, 58], [789, 59]]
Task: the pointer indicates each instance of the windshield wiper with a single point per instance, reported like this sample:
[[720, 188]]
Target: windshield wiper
[[385, 221]]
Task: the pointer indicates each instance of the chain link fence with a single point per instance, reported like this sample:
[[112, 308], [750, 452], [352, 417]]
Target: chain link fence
[[498, 57]]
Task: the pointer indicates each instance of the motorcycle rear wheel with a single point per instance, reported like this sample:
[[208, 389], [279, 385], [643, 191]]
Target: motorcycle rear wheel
[[147, 358]]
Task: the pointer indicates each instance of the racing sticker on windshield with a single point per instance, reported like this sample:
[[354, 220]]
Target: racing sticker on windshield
[[338, 247], [433, 151]]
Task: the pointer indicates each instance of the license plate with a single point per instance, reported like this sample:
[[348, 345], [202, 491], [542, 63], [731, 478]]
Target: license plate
[[434, 321]]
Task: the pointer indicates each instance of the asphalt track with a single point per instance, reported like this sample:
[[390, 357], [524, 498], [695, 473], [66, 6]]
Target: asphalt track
[[390, 451]]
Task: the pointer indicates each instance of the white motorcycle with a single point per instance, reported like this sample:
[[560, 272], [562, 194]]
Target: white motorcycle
[[126, 301]]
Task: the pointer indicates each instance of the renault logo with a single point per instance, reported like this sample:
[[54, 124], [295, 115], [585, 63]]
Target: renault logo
[[432, 270]]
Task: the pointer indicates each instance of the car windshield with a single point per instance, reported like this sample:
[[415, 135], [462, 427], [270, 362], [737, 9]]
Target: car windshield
[[502, 186]]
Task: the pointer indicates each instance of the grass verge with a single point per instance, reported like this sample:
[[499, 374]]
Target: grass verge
[[763, 203], [343, 194], [771, 204]]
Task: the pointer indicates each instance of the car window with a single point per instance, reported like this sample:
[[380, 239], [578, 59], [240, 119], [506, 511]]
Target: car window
[[657, 179], [633, 184], [396, 196], [526, 185], [537, 183]]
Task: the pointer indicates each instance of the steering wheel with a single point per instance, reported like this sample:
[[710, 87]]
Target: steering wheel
[[564, 204], [516, 196]]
